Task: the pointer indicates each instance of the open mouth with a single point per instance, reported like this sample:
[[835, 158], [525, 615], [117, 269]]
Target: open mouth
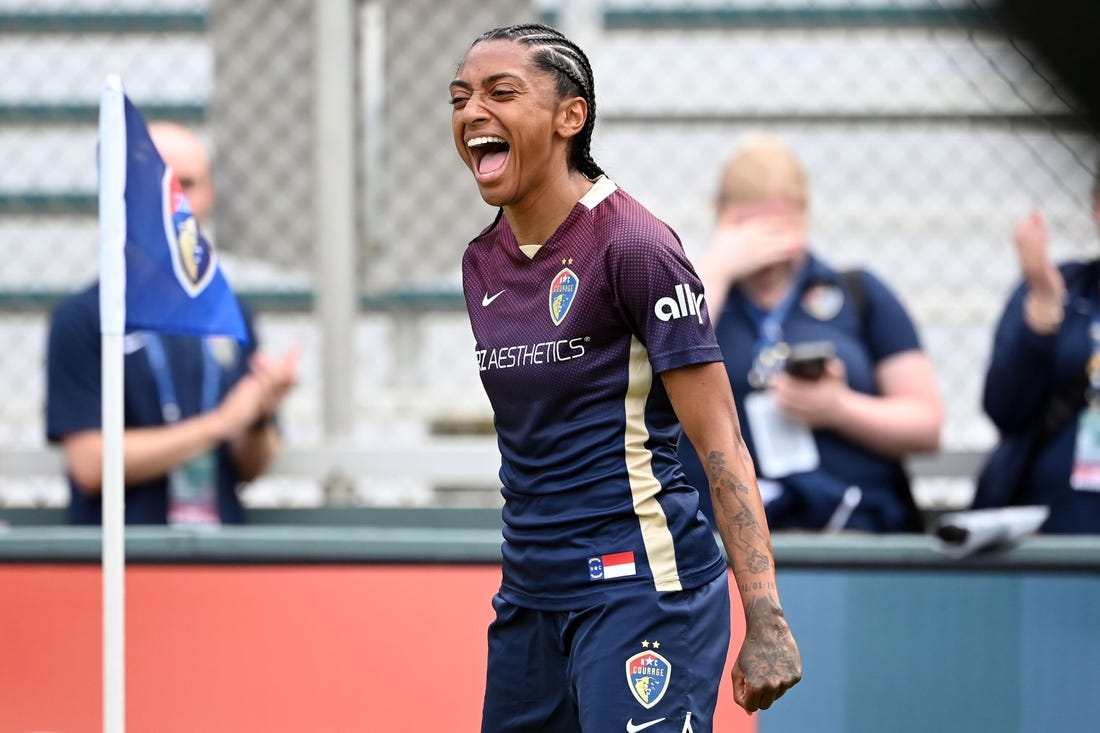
[[489, 153]]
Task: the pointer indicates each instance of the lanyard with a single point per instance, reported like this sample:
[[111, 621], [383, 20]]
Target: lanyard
[[162, 373], [1092, 366], [770, 351]]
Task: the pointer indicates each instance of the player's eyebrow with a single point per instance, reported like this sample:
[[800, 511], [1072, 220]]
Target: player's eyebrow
[[492, 78]]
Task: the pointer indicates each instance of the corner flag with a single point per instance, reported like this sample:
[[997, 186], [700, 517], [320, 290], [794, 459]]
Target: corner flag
[[173, 281], [158, 273]]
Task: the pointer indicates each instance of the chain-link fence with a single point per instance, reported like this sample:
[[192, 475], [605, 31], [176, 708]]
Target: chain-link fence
[[927, 132]]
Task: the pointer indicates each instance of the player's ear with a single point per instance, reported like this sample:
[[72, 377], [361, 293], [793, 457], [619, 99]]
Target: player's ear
[[572, 114]]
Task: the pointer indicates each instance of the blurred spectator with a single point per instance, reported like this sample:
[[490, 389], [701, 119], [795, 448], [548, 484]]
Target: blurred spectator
[[826, 366], [1042, 388], [199, 412]]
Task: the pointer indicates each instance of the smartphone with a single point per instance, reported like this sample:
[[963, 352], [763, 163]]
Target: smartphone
[[807, 360]]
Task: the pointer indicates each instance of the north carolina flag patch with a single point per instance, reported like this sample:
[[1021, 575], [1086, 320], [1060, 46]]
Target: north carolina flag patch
[[609, 567]]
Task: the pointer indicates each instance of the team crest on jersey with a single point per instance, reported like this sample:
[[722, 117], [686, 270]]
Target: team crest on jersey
[[563, 290], [647, 675], [193, 258], [823, 301]]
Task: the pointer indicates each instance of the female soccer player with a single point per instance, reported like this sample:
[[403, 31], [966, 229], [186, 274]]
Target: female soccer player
[[594, 347]]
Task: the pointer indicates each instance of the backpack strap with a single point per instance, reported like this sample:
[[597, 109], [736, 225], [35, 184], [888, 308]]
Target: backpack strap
[[852, 280]]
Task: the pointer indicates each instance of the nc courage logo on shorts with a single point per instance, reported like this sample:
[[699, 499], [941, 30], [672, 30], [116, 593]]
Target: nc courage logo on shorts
[[647, 675]]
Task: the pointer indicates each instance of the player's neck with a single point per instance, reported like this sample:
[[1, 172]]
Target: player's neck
[[535, 219]]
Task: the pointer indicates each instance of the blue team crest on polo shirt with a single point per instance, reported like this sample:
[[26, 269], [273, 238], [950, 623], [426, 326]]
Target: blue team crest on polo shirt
[[647, 675], [192, 256], [563, 290], [823, 301]]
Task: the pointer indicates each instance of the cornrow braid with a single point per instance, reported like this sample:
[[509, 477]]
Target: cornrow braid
[[564, 59]]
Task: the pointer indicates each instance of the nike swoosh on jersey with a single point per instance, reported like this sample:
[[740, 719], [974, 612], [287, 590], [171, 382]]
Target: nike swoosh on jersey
[[631, 728], [487, 299]]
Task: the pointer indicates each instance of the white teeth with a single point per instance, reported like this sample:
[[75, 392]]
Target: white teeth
[[475, 142]]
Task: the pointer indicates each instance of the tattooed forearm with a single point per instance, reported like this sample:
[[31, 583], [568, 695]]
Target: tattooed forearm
[[716, 470], [743, 526], [732, 493], [756, 585], [758, 562], [764, 606]]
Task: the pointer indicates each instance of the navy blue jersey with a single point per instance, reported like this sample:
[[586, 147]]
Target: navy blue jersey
[[74, 400], [570, 342]]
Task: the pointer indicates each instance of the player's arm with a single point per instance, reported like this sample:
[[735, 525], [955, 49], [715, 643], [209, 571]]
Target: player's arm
[[769, 662]]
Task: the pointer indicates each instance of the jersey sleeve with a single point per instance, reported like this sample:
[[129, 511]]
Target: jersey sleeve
[[661, 298], [73, 368], [889, 328]]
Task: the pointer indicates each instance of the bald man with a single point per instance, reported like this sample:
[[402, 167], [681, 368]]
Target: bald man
[[199, 411], [187, 156]]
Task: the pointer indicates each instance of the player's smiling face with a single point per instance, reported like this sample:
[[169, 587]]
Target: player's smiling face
[[503, 121]]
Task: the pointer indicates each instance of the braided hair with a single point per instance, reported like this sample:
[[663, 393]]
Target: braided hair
[[559, 56]]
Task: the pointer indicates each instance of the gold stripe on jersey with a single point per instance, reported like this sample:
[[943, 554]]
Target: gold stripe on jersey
[[644, 485]]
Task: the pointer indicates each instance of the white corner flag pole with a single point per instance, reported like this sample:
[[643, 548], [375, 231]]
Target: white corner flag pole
[[112, 310]]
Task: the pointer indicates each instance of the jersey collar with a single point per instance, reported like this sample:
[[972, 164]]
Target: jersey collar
[[601, 189]]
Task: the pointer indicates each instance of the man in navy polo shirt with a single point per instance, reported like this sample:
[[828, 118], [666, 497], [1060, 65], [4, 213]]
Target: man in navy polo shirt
[[199, 411]]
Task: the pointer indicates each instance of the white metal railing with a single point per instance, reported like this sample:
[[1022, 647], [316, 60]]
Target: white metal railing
[[940, 480]]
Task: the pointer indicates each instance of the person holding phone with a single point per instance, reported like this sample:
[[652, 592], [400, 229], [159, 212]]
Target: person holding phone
[[826, 366]]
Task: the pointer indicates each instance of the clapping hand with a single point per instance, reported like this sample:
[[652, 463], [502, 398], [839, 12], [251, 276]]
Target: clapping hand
[[257, 395], [1033, 251]]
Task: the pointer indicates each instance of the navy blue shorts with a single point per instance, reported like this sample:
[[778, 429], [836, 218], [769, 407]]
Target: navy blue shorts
[[639, 661]]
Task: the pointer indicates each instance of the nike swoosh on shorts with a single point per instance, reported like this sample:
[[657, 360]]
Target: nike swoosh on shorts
[[631, 728]]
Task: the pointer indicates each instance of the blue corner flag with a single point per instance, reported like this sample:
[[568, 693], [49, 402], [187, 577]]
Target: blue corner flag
[[173, 281]]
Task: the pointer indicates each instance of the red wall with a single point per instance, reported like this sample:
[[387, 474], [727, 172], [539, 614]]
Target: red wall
[[257, 648]]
